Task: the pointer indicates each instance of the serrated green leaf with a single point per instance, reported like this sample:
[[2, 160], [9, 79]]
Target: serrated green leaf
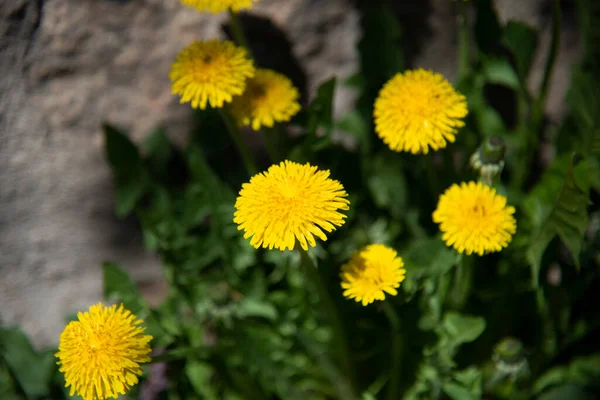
[[567, 217], [584, 100], [32, 370], [522, 40]]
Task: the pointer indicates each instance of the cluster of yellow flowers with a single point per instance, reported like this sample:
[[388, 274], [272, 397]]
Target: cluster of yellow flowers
[[100, 354]]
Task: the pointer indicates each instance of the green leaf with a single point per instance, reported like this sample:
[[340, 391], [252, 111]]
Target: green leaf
[[428, 257], [458, 392], [118, 285], [320, 114], [32, 370], [158, 150], [130, 175], [589, 25], [458, 328], [354, 123], [569, 391], [583, 370], [200, 375], [499, 71], [487, 27], [584, 100], [7, 385], [122, 154], [251, 307], [522, 41], [567, 217], [387, 184]]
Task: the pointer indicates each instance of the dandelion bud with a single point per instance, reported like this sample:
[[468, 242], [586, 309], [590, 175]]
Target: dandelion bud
[[509, 357], [489, 158]]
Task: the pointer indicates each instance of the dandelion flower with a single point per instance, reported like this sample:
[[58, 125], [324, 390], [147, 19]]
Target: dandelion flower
[[217, 6], [210, 72], [269, 97], [100, 354], [418, 110], [371, 272], [474, 219], [287, 202]]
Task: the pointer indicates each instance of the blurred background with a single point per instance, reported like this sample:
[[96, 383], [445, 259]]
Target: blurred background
[[66, 66]]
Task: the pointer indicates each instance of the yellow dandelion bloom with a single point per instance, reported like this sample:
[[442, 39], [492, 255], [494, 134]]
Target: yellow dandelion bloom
[[210, 72], [269, 97], [217, 6], [418, 110], [287, 202], [474, 219], [100, 354], [371, 272]]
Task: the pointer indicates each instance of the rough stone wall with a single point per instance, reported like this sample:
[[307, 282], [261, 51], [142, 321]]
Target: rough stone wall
[[68, 65]]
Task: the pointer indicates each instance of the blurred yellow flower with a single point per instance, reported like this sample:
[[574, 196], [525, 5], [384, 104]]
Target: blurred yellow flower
[[269, 97], [210, 72], [287, 202], [100, 354], [474, 219], [217, 6], [371, 272], [418, 110]]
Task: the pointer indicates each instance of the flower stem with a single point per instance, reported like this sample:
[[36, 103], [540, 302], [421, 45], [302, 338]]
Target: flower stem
[[237, 31], [270, 136], [461, 287], [242, 147], [339, 333], [396, 353], [553, 52]]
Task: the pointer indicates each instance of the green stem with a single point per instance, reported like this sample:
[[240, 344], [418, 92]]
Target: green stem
[[238, 32], [396, 353], [553, 52], [463, 43], [270, 138], [463, 279], [339, 333], [236, 135]]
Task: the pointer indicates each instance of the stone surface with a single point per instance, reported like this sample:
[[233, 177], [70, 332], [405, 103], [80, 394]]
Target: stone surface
[[68, 65]]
